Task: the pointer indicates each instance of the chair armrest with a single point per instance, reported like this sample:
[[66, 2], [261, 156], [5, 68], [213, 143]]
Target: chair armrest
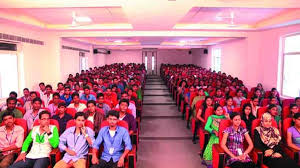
[[203, 140], [218, 159], [257, 157], [131, 157], [134, 138], [292, 153], [55, 156]]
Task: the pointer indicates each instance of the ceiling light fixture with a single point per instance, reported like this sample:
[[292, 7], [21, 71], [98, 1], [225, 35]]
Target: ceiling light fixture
[[118, 41]]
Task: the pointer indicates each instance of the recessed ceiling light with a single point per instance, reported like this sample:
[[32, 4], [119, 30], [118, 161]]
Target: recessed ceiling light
[[182, 41], [83, 19], [118, 41]]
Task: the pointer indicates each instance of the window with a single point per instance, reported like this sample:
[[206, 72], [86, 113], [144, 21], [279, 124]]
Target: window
[[291, 70], [216, 59], [8, 73], [153, 63], [83, 62]]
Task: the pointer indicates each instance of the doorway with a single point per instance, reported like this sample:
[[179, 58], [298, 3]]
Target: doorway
[[150, 61]]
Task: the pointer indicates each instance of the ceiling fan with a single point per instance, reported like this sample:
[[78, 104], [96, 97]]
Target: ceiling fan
[[219, 17], [80, 20]]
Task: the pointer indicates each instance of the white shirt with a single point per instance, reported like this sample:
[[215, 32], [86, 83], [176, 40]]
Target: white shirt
[[112, 132], [81, 107]]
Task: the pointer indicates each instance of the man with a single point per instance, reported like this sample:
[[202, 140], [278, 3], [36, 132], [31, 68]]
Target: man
[[112, 155], [96, 116], [126, 116], [101, 85], [11, 107], [54, 105], [96, 88], [66, 96], [109, 95], [118, 84], [11, 138], [131, 106], [62, 117], [75, 141], [297, 101], [26, 96], [47, 95], [42, 89], [28, 104], [101, 104], [137, 90], [76, 103], [31, 115], [43, 138], [60, 88], [13, 95], [87, 96]]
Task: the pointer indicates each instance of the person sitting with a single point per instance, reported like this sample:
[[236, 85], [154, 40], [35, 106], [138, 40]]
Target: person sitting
[[254, 105], [274, 93], [101, 104], [101, 85], [212, 126], [218, 96], [108, 95], [75, 141], [131, 106], [43, 138], [26, 96], [60, 88], [239, 97], [42, 89], [77, 89], [62, 117], [297, 101], [138, 91], [267, 139], [272, 109], [258, 94], [273, 100], [96, 116], [293, 133], [96, 88], [123, 104], [113, 154], [233, 144], [12, 94], [87, 96], [228, 108], [28, 104], [11, 107], [54, 105], [48, 95], [247, 116], [114, 88], [31, 115], [293, 110], [261, 89], [11, 138], [76, 103], [66, 95]]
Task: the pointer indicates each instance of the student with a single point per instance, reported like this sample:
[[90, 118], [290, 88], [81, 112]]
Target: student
[[13, 95], [297, 101], [233, 144], [54, 105], [267, 138], [114, 154], [138, 91], [274, 93], [11, 107], [28, 104], [87, 96], [11, 138], [131, 106], [293, 133], [273, 100], [254, 105], [76, 103], [31, 115], [101, 104], [239, 97], [60, 88], [123, 104], [43, 138], [66, 96], [218, 96], [259, 95], [261, 89], [26, 96], [272, 109], [96, 116], [42, 89], [75, 141], [62, 117], [47, 95], [212, 126], [247, 116], [228, 108], [293, 110]]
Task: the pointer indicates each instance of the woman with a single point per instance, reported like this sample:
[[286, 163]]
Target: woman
[[239, 97], [218, 96], [228, 108], [233, 144], [267, 139], [293, 133], [262, 91], [293, 110], [247, 116], [258, 93], [212, 126], [273, 110]]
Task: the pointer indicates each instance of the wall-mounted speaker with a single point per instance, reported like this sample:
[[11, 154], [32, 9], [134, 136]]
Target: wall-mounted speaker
[[205, 51], [95, 51], [108, 51], [190, 51]]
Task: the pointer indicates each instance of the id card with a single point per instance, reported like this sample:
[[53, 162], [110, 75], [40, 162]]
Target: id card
[[239, 151], [111, 150]]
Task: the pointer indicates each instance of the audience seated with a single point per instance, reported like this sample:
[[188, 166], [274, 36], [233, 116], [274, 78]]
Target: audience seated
[[123, 115], [101, 104], [26, 96], [62, 117], [66, 95], [77, 105], [293, 133], [33, 114], [87, 95], [54, 104], [48, 95], [28, 104], [11, 103], [239, 97], [131, 105], [95, 115], [247, 116]]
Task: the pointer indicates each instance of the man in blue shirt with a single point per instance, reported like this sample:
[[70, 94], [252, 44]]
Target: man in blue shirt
[[86, 95], [113, 137], [67, 95]]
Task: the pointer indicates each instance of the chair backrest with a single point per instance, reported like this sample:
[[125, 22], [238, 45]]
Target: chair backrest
[[121, 123], [208, 112], [52, 122], [256, 123], [21, 101], [222, 102], [87, 123], [287, 123], [21, 109], [261, 111], [268, 93], [287, 102], [46, 109], [224, 124], [245, 101], [265, 102], [285, 112], [71, 111]]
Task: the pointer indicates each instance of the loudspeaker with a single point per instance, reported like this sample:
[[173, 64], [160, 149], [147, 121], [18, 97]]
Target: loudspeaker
[[190, 52], [95, 51], [108, 52], [205, 51]]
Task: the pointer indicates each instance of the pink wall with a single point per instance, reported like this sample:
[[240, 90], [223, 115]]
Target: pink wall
[[123, 56], [199, 58], [253, 59]]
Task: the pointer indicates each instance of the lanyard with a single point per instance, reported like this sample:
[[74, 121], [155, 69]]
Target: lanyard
[[41, 137]]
